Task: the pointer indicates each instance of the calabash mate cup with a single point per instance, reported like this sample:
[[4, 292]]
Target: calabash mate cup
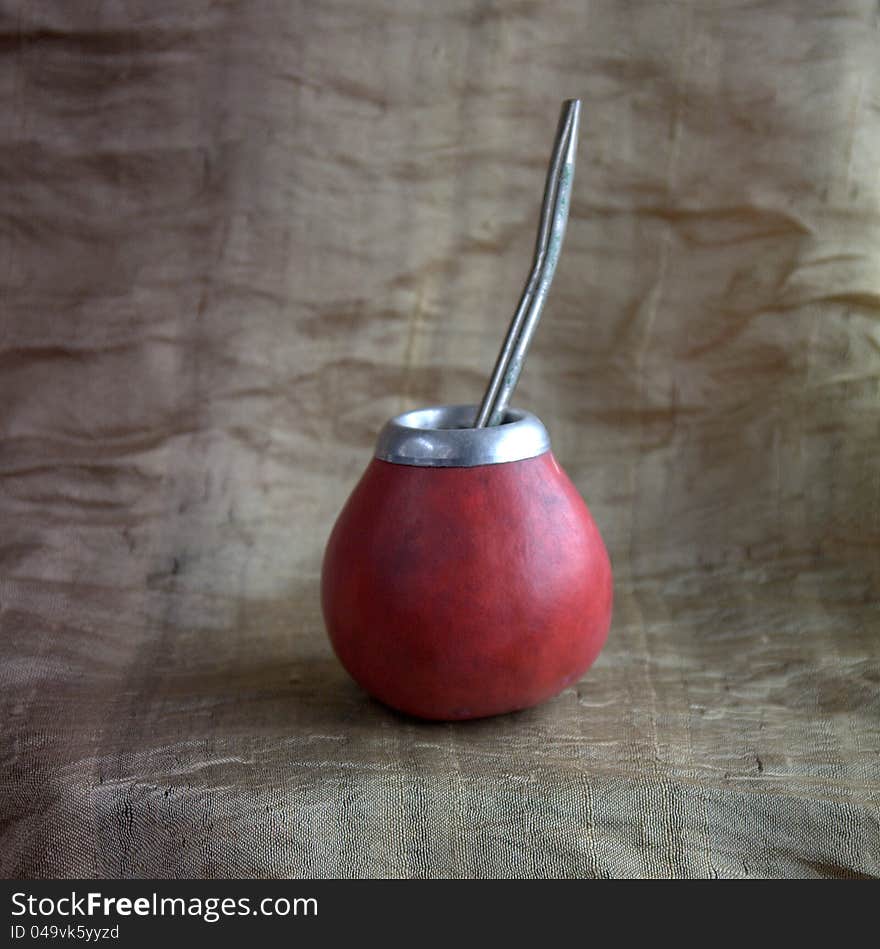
[[465, 576]]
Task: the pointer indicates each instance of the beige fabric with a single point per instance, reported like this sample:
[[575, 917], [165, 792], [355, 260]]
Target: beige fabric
[[236, 237]]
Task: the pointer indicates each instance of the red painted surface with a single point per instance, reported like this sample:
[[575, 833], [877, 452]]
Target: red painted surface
[[455, 593]]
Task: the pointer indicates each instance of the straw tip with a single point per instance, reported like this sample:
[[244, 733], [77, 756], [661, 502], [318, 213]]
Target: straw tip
[[571, 120]]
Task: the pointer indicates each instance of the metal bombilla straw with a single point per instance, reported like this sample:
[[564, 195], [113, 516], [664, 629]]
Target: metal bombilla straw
[[551, 231]]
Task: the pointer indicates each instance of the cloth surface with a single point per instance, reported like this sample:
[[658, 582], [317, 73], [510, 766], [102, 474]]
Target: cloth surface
[[237, 237]]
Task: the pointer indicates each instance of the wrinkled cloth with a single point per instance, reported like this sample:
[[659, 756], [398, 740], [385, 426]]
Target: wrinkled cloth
[[238, 237]]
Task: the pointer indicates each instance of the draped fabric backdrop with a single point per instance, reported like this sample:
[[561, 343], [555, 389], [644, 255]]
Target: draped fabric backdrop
[[236, 237]]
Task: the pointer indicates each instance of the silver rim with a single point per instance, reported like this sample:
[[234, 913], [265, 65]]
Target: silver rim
[[442, 437]]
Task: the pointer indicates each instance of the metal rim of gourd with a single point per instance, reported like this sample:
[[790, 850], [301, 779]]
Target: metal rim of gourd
[[443, 436]]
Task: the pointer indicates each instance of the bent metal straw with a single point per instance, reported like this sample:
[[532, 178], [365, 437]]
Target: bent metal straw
[[551, 231]]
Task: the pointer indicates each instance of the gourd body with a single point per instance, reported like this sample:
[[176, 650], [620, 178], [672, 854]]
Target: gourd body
[[461, 592]]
